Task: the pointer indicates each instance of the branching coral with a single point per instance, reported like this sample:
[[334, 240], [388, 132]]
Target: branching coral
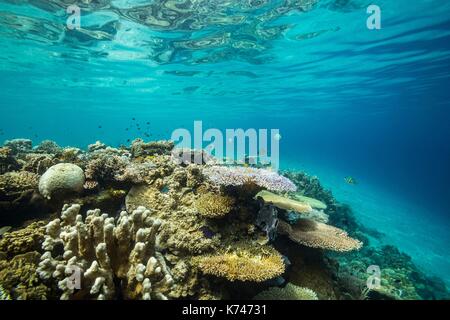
[[212, 205], [319, 235], [289, 292], [103, 249], [244, 263], [19, 145], [283, 202], [239, 176], [23, 240]]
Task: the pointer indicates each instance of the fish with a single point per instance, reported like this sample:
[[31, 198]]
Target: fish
[[350, 180]]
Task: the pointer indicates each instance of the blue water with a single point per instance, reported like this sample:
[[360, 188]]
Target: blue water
[[373, 104]]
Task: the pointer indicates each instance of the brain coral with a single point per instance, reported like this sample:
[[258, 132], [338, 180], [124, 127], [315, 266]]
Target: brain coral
[[238, 176], [62, 177], [244, 264], [212, 205], [319, 235], [289, 292]]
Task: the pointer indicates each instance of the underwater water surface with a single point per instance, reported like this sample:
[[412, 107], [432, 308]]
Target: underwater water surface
[[349, 101]]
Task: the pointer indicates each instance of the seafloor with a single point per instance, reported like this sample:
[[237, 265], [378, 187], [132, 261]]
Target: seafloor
[[135, 222]]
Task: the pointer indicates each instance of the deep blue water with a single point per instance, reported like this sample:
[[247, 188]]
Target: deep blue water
[[373, 104]]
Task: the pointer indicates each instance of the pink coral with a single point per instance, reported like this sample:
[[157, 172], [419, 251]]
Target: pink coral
[[238, 176]]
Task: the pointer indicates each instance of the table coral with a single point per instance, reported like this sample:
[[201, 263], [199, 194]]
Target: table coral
[[244, 263], [319, 235], [289, 292], [284, 203], [239, 176]]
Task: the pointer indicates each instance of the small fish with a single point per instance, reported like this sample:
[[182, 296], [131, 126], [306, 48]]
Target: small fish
[[99, 127], [133, 119], [350, 180], [4, 230]]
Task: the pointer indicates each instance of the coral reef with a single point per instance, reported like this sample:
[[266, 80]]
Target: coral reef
[[244, 263], [289, 292], [212, 205], [319, 235], [239, 176], [181, 230], [61, 178]]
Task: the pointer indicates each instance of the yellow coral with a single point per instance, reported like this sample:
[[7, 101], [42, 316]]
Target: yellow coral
[[18, 181], [212, 205], [319, 235], [289, 292], [244, 264], [19, 278], [24, 240], [283, 202]]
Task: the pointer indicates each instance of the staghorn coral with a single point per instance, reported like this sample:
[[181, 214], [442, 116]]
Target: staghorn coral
[[319, 235], [239, 176], [283, 202], [212, 205], [243, 262], [61, 178], [289, 292], [19, 278], [105, 250], [13, 182], [23, 240]]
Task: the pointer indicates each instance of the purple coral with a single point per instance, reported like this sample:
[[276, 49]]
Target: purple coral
[[238, 176]]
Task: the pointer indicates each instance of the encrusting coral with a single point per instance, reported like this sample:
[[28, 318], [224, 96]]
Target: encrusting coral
[[289, 292], [19, 278], [244, 263], [103, 250], [319, 235], [20, 181], [23, 240], [212, 205]]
